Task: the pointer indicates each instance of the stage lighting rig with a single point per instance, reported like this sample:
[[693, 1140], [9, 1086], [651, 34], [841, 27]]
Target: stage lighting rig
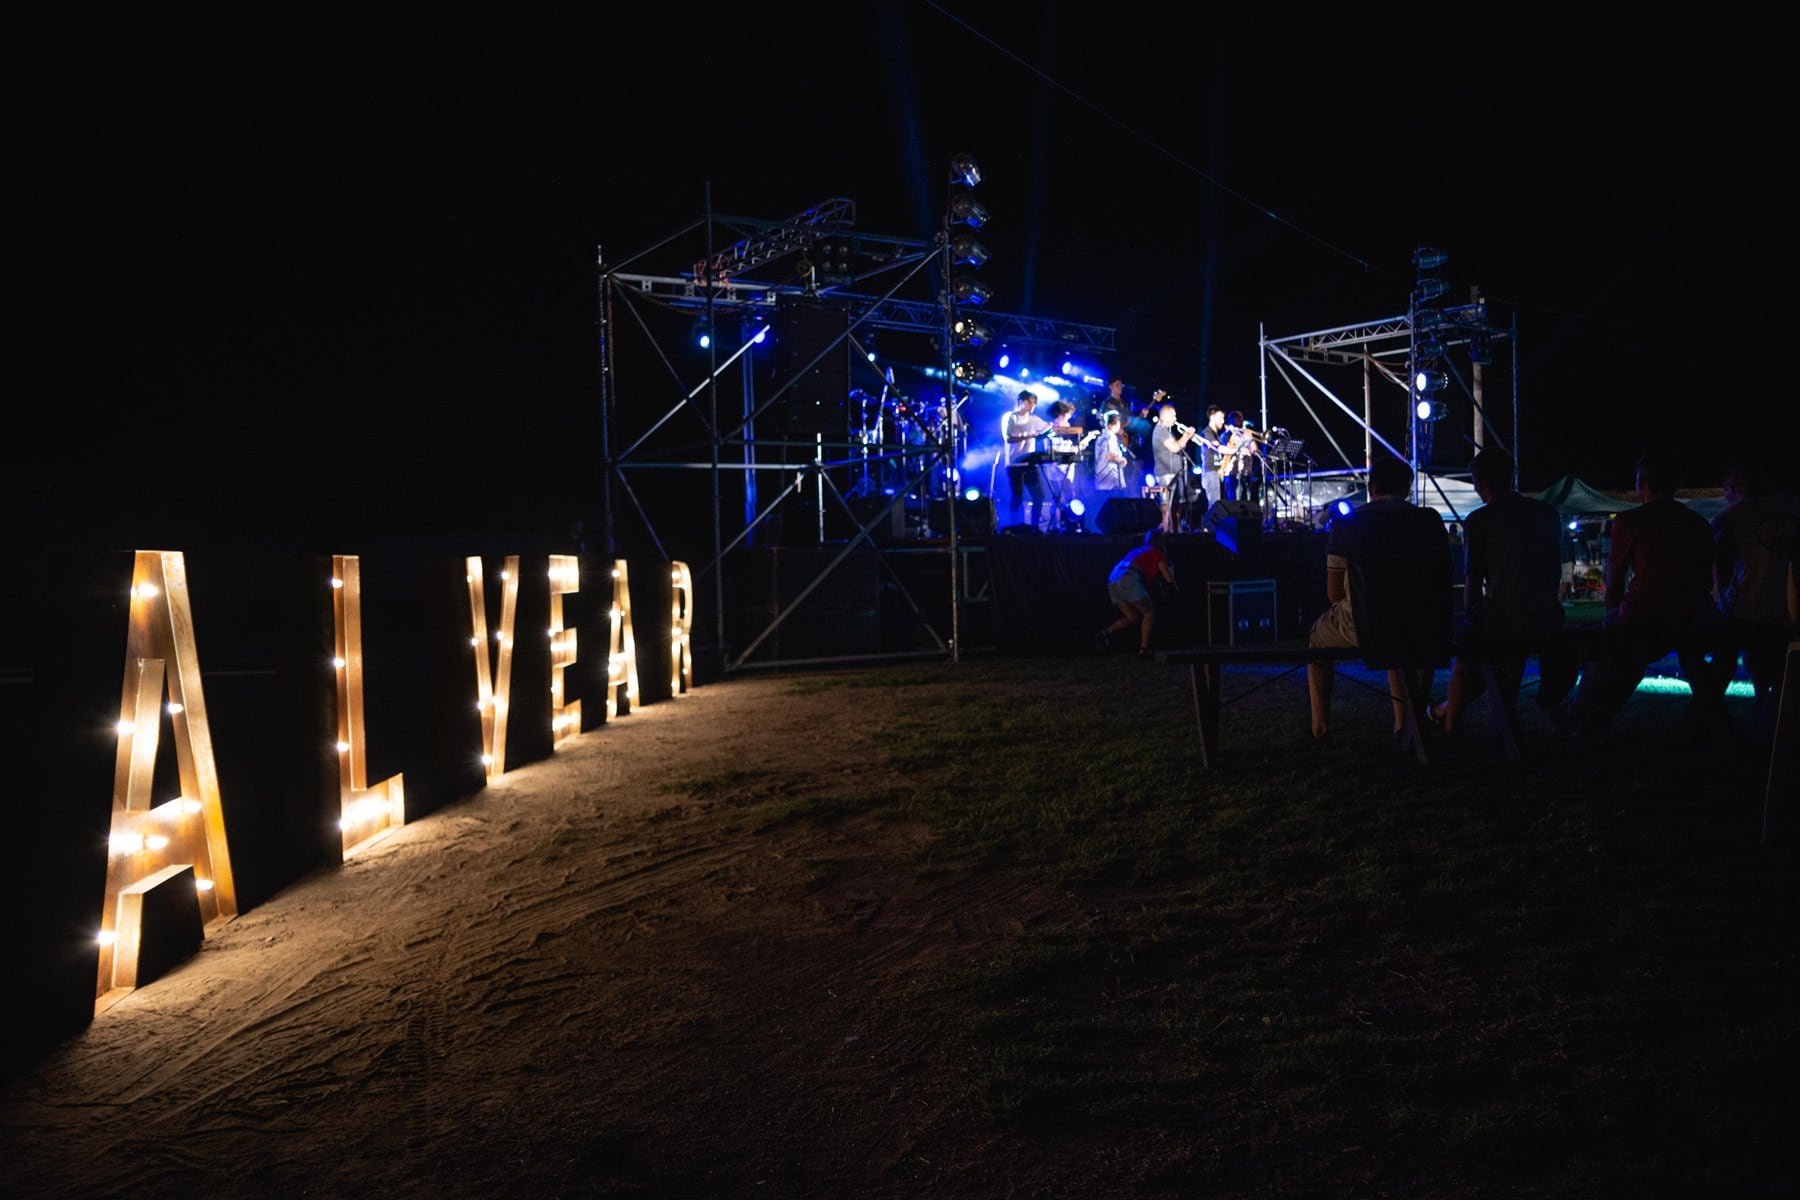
[[1425, 359], [967, 331], [965, 251], [969, 290], [967, 210]]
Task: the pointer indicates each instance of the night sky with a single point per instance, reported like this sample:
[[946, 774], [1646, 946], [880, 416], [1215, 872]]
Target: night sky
[[268, 265]]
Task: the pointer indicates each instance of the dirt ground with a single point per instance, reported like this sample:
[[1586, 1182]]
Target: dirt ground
[[582, 981]]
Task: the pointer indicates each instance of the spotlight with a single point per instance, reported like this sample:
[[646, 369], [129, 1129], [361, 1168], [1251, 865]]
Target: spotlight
[[969, 290], [1431, 410], [1343, 508], [972, 494], [1427, 344], [1427, 318], [969, 332], [1429, 290], [1004, 361], [966, 210], [1078, 508], [969, 371], [966, 251], [1481, 348], [964, 170], [1425, 258], [1429, 379]]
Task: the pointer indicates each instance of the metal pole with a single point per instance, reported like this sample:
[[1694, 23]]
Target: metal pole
[[607, 531], [713, 398], [1475, 384], [1369, 410], [1514, 339]]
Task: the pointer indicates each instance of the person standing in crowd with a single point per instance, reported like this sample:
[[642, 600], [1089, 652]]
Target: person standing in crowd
[[1170, 442], [1753, 545], [1020, 430], [1659, 581], [1129, 586], [1112, 462], [1400, 555], [1512, 606]]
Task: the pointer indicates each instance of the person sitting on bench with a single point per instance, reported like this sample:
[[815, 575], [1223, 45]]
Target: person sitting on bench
[[1511, 594], [1388, 577]]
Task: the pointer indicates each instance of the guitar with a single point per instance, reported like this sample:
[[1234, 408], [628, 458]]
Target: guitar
[[1243, 446]]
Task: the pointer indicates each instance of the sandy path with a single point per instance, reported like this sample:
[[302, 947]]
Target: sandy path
[[580, 982]]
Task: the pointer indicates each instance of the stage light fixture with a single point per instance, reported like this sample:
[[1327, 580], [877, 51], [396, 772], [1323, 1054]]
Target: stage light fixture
[[1426, 258], [1424, 319], [1429, 290], [969, 290], [964, 170], [972, 494], [969, 371], [1431, 410], [966, 210], [1004, 361], [1427, 345], [1429, 380], [1481, 348], [969, 332], [966, 251]]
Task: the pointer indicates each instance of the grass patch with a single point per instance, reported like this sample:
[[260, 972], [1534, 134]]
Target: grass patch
[[1568, 975]]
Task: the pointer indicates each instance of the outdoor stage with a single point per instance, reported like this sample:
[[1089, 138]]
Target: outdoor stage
[[1023, 593]]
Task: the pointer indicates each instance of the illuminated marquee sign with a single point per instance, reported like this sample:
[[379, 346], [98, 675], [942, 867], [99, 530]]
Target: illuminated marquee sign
[[150, 844], [621, 659], [492, 690], [365, 814], [565, 717], [681, 628]]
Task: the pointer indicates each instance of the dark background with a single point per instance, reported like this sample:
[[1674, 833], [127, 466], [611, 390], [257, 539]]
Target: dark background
[[308, 272]]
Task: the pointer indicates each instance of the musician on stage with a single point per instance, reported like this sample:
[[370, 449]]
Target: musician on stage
[[1112, 464], [1065, 447], [1169, 442], [1240, 469], [1020, 431], [1212, 456]]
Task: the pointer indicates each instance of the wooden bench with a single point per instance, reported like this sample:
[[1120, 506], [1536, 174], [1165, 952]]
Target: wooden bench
[[1206, 666]]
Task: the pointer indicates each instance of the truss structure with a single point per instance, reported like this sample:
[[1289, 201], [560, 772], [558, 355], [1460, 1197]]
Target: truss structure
[[1309, 364], [704, 433]]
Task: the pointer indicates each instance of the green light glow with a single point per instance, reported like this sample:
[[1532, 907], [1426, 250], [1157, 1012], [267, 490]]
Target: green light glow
[[1660, 685]]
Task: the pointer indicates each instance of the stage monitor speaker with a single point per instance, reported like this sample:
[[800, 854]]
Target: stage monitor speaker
[[1236, 526], [1126, 515], [974, 518]]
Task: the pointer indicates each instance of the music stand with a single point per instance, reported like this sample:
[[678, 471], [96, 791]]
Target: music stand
[[1284, 452]]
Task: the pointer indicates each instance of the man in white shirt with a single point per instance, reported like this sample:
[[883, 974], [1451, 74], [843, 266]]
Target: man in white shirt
[[1020, 430]]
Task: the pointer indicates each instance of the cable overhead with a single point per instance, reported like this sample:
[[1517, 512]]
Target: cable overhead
[[1155, 145]]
